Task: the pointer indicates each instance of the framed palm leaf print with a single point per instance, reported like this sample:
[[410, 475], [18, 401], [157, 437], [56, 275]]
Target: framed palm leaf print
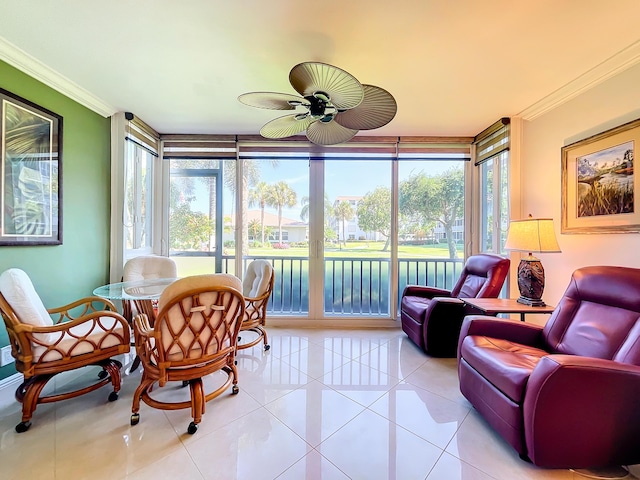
[[31, 187]]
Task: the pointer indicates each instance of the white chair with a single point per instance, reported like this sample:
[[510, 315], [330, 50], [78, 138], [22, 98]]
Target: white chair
[[257, 286], [85, 332], [146, 267]]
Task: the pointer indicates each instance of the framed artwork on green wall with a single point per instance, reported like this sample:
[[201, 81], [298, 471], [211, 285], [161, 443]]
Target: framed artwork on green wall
[[31, 187]]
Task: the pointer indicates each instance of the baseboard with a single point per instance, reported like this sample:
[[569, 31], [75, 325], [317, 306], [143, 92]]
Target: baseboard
[[332, 323], [8, 387], [11, 382]]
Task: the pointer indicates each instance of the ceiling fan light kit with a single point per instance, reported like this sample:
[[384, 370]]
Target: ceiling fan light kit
[[337, 105]]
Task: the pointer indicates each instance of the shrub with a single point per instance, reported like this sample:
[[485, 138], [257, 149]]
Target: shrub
[[229, 244], [280, 246]]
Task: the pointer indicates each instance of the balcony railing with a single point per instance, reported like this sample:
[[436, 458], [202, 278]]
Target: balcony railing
[[352, 286]]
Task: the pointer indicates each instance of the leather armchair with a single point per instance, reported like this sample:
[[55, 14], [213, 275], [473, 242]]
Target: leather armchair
[[564, 395], [431, 317]]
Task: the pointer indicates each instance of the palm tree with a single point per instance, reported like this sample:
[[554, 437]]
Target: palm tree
[[304, 211], [328, 213], [258, 196], [343, 212], [250, 177], [281, 195]]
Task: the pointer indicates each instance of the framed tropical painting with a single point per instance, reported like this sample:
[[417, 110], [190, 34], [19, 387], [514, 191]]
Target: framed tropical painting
[[600, 193], [31, 187]]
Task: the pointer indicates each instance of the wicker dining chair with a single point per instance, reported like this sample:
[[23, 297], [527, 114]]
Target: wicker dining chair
[[195, 334], [86, 332], [257, 287]]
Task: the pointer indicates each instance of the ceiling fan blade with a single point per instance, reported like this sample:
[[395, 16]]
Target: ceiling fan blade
[[285, 126], [271, 100], [329, 133], [376, 110], [343, 88]]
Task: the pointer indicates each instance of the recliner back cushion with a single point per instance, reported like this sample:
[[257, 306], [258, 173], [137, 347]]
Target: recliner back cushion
[[598, 316], [482, 276], [471, 286]]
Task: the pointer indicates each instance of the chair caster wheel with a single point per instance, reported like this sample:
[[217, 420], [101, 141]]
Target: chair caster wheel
[[113, 396], [185, 383], [23, 427], [135, 418], [193, 428], [267, 347], [102, 374], [235, 390]]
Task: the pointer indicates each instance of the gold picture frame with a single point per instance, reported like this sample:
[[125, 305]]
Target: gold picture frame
[[600, 193]]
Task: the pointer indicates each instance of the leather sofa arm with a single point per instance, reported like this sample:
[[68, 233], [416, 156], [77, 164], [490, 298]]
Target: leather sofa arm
[[503, 328], [424, 291], [581, 410]]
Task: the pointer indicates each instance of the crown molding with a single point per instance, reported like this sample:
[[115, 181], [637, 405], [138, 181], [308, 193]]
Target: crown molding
[[35, 68], [611, 67]]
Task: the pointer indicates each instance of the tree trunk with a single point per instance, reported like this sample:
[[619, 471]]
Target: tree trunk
[[386, 244], [453, 252]]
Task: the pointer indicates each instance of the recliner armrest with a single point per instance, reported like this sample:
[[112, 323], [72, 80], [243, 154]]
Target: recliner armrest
[[424, 291], [581, 407], [503, 328]]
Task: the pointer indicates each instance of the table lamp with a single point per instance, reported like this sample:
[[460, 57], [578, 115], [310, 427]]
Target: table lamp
[[531, 235]]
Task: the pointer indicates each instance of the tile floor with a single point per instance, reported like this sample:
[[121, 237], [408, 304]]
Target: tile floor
[[321, 404]]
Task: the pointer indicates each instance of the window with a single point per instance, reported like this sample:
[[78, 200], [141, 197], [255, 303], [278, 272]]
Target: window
[[492, 161], [138, 199]]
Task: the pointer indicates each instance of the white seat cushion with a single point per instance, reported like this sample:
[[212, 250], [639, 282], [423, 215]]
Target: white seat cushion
[[175, 317], [95, 336], [147, 267], [256, 278], [18, 291]]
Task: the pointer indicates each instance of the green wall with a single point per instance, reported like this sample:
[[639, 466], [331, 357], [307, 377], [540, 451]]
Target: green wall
[[66, 272]]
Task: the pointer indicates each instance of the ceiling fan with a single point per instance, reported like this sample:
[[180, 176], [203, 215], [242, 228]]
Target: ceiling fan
[[333, 105]]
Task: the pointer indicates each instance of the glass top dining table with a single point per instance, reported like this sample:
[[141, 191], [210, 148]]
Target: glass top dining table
[[148, 289]]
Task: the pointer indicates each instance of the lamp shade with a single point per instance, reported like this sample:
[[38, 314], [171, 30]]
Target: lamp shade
[[532, 235]]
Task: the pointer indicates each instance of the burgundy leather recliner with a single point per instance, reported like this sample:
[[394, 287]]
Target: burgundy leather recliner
[[566, 395], [432, 317]]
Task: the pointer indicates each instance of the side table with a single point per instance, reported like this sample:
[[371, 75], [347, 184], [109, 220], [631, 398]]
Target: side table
[[493, 306]]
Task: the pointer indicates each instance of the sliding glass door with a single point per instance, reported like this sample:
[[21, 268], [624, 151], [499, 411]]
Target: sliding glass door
[[357, 237]]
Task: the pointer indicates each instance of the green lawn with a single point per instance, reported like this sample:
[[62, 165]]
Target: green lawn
[[358, 249]]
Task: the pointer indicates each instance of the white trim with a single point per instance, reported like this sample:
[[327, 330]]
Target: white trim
[[8, 387], [11, 382], [35, 68], [622, 60], [116, 249]]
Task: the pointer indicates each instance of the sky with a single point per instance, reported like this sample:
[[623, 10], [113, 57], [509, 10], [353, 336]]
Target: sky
[[342, 178]]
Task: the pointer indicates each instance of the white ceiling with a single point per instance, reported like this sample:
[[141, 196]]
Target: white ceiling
[[454, 66]]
